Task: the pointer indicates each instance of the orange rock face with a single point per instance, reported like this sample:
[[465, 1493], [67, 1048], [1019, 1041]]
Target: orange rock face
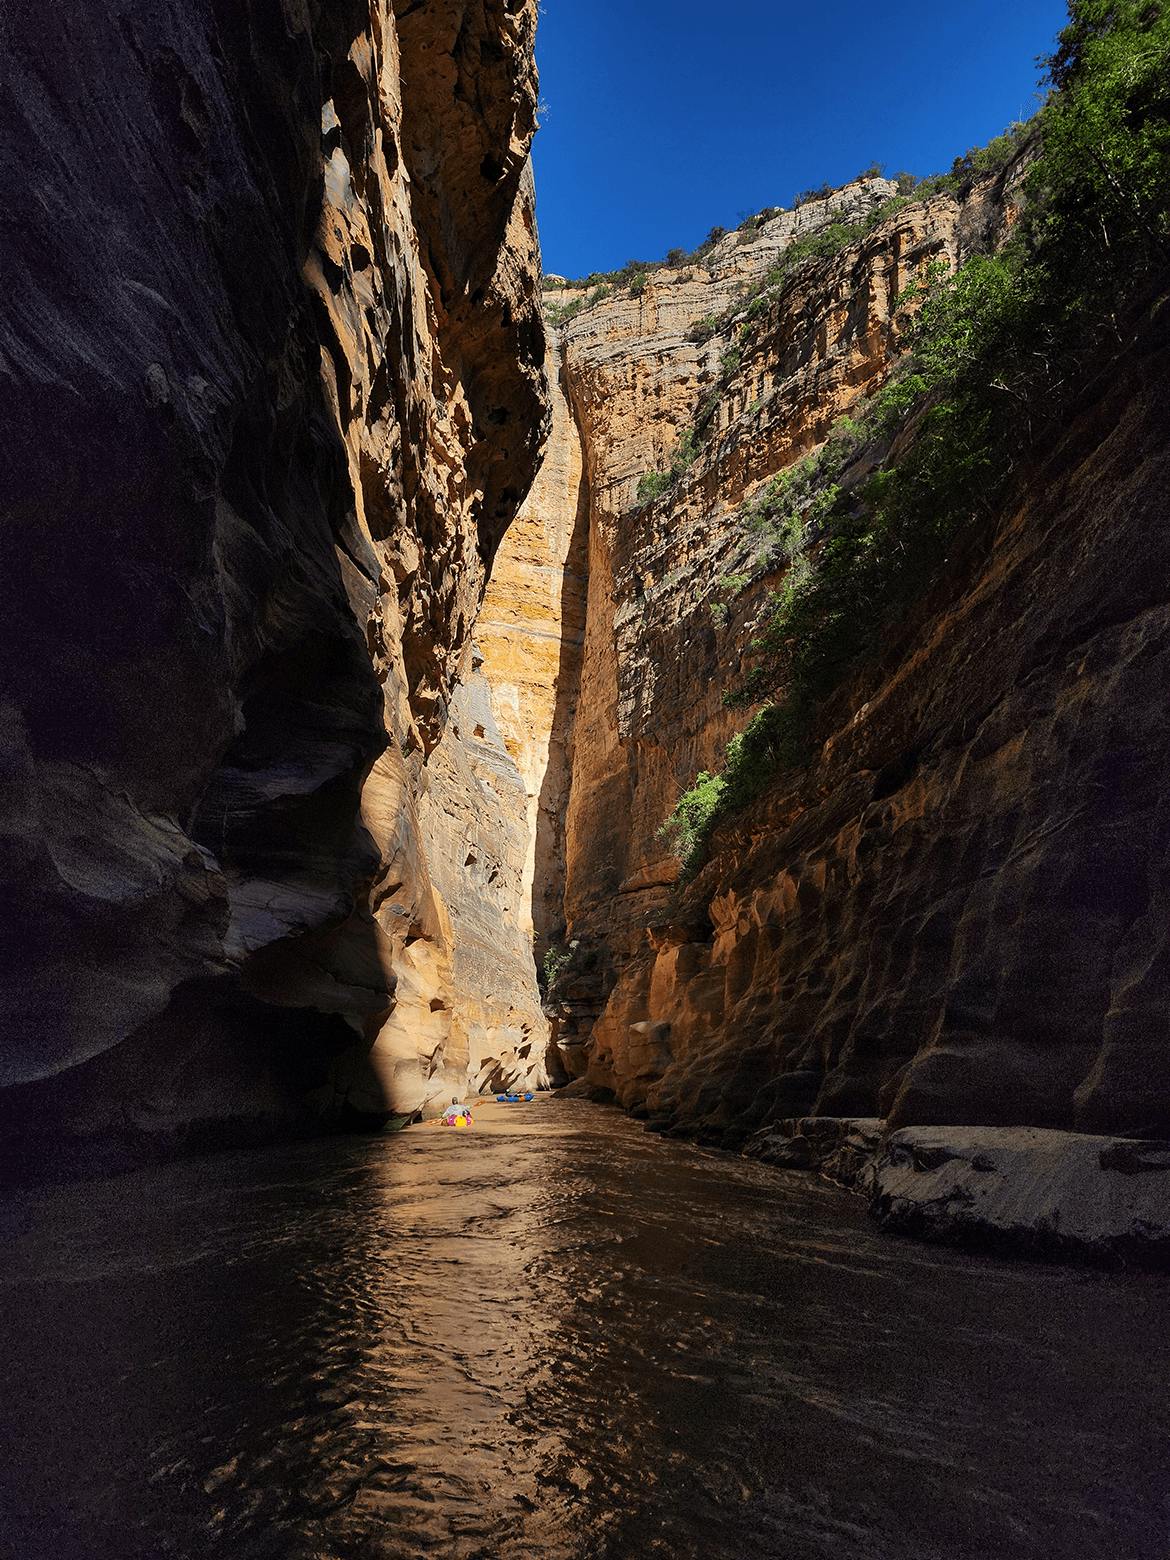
[[497, 784], [530, 634], [331, 707], [657, 660], [955, 915]]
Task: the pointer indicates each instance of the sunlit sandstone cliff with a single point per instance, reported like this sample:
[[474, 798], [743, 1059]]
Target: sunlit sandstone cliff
[[273, 378], [530, 635], [497, 787], [651, 712], [956, 915]]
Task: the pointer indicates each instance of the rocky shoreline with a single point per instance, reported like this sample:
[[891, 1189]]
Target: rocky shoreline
[[1026, 1192], [1023, 1191]]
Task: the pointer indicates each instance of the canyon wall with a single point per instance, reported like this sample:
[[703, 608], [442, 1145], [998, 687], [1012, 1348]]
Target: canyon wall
[[955, 914], [498, 783], [330, 702], [274, 390], [657, 661]]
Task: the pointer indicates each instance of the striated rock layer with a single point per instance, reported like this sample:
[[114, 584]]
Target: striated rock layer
[[498, 782], [957, 914], [656, 659], [272, 362]]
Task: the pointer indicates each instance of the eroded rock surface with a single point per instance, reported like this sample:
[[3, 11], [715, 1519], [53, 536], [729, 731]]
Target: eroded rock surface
[[530, 634], [1025, 1191], [273, 391], [1028, 1191], [956, 915]]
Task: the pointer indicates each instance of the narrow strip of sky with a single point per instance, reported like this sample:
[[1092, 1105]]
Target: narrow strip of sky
[[666, 117]]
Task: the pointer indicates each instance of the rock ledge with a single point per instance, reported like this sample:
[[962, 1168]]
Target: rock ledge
[[1024, 1191], [1053, 1195]]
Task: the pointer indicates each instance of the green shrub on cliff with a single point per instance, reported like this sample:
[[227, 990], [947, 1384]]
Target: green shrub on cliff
[[562, 313], [751, 303], [654, 483], [651, 485], [873, 549], [996, 351], [701, 330], [556, 960], [750, 760], [806, 197], [828, 241]]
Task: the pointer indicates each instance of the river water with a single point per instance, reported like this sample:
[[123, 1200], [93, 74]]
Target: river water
[[555, 1336]]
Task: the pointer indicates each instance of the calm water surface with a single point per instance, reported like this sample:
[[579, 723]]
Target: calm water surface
[[556, 1337]]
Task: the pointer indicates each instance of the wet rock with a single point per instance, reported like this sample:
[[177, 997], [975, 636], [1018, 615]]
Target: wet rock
[[584, 1089], [842, 1149], [1056, 1195]]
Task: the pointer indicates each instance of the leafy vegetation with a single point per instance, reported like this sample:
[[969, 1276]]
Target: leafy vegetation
[[749, 762], [996, 352], [728, 586], [703, 329], [821, 245], [751, 303], [633, 276], [562, 313], [654, 483], [556, 960], [806, 197]]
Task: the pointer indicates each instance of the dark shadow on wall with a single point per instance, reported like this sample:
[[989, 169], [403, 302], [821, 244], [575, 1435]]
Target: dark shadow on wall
[[548, 885], [192, 703]]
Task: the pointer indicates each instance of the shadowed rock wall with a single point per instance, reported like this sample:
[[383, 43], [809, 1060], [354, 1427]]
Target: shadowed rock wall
[[273, 390]]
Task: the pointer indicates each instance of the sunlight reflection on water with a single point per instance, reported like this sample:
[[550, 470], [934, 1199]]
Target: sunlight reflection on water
[[556, 1336]]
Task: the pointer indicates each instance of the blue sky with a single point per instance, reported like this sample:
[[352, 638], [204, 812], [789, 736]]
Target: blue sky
[[665, 117]]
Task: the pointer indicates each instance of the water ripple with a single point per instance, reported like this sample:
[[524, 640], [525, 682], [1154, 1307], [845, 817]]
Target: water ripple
[[559, 1337]]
